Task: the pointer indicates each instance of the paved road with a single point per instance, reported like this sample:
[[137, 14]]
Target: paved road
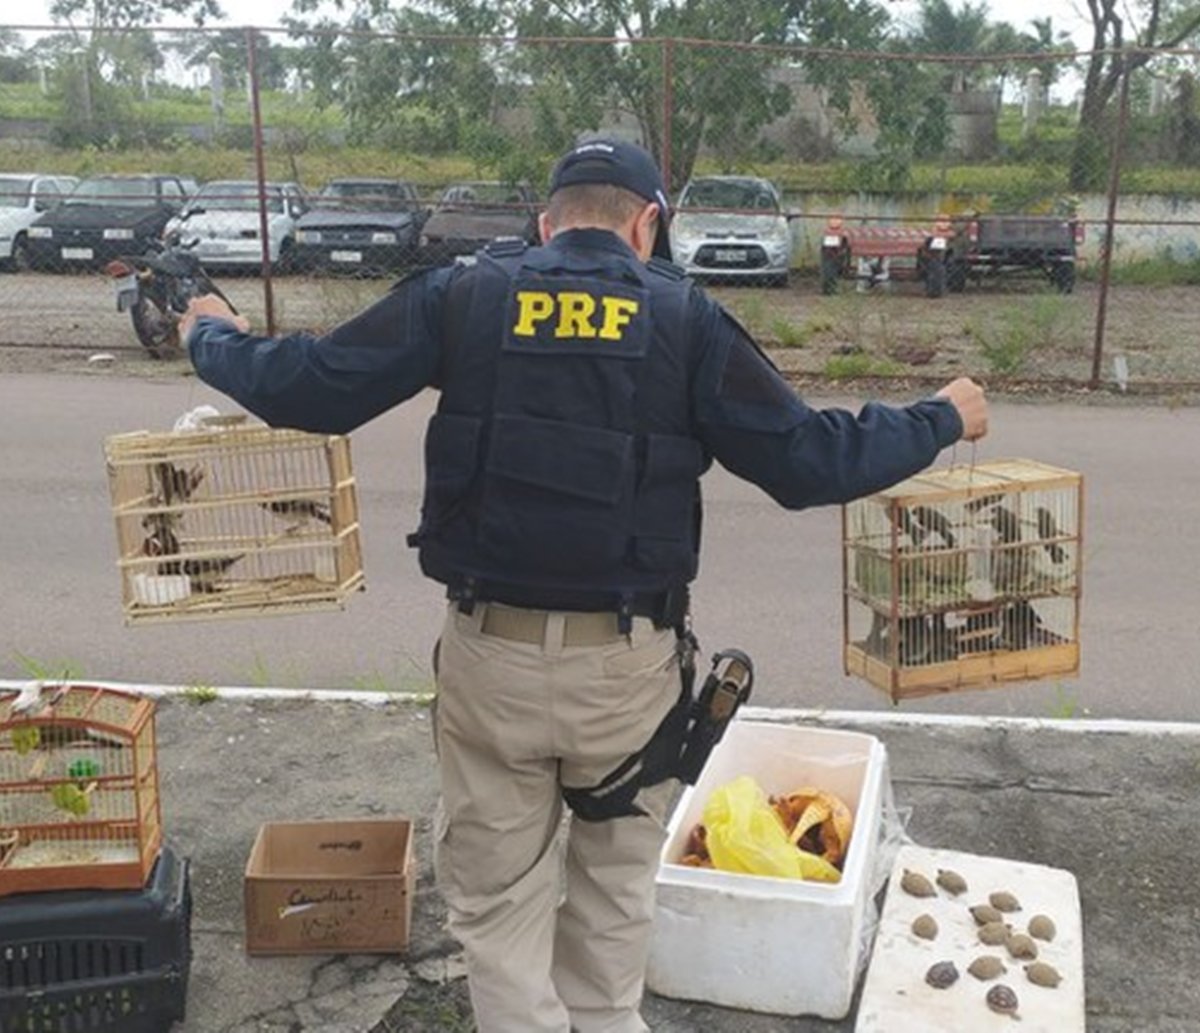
[[770, 580]]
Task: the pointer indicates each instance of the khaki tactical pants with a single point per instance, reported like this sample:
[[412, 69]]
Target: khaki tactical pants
[[555, 923]]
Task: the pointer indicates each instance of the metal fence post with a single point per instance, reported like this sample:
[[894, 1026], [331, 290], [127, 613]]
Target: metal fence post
[[668, 109], [260, 169], [1114, 186]]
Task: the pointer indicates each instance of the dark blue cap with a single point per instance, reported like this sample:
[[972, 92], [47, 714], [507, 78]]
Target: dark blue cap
[[620, 164]]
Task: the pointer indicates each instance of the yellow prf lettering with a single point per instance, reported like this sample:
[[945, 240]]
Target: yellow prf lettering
[[535, 307], [617, 313], [575, 310]]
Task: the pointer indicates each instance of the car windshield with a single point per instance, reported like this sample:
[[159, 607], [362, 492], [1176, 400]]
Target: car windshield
[[477, 195], [236, 197], [376, 197], [739, 195], [113, 193], [14, 193]]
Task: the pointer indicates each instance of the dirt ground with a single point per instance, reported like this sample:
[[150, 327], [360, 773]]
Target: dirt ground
[[1015, 328]]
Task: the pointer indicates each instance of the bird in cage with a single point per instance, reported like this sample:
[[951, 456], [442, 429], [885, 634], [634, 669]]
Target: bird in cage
[[1048, 529], [1023, 628], [176, 484], [204, 574], [301, 510], [162, 540]]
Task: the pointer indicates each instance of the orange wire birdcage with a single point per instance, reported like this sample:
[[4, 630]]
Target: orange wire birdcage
[[964, 577], [79, 790]]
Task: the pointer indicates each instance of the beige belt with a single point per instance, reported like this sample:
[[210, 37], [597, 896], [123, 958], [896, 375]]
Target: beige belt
[[579, 629]]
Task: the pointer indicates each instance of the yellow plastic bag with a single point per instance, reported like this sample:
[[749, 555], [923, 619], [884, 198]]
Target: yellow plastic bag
[[744, 834]]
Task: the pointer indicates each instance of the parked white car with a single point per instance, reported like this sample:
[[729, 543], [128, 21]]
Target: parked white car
[[24, 196], [223, 220], [732, 228]]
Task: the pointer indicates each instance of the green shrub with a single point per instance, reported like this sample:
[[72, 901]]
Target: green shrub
[[860, 364]]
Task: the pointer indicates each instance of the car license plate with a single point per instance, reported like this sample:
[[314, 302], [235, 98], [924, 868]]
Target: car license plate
[[831, 241], [77, 253], [345, 256], [730, 255]]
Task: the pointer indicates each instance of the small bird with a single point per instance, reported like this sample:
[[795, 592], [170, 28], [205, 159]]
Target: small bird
[[933, 521], [304, 509], [176, 484], [1048, 528], [1024, 629], [203, 573], [161, 541], [1009, 565]]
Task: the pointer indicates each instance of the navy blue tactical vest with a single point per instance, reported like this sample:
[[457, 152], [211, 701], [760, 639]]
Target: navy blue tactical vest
[[561, 470]]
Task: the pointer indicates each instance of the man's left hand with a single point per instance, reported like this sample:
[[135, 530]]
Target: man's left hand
[[209, 305]]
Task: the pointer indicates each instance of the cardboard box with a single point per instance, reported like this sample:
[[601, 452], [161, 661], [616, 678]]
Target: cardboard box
[[330, 887], [781, 946]]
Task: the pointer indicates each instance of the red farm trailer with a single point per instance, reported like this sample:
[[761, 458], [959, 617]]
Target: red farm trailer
[[873, 255]]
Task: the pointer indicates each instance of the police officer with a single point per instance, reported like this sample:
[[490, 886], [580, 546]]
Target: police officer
[[585, 387]]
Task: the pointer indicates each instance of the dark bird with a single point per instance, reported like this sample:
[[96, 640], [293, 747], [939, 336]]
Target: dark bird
[[1006, 525], [934, 521], [1023, 628], [175, 484], [162, 540], [303, 509], [1009, 566], [1048, 528], [914, 531], [203, 573]]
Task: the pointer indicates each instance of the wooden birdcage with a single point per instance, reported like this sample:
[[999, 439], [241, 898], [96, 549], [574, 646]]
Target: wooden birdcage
[[964, 577], [79, 795], [233, 521]]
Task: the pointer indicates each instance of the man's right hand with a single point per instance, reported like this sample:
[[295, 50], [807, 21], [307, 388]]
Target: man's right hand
[[967, 397], [209, 305]]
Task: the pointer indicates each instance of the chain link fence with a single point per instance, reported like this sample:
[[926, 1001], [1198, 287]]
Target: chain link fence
[[1029, 219]]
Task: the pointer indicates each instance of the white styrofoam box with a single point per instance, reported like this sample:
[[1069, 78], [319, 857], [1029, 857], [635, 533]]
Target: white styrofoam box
[[896, 998], [781, 946]]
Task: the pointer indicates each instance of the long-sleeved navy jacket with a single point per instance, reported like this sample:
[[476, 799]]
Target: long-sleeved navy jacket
[[745, 414]]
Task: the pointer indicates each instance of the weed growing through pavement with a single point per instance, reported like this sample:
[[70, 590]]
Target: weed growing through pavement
[[49, 670], [1066, 705]]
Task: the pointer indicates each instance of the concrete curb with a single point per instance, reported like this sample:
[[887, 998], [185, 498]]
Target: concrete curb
[[784, 715]]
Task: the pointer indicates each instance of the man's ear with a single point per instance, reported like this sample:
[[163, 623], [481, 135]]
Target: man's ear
[[644, 231], [544, 227]]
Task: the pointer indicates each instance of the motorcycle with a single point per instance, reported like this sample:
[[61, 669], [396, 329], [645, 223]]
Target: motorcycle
[[155, 289]]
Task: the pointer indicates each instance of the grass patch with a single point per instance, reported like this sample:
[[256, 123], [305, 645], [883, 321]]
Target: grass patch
[[750, 309], [1040, 324], [853, 367], [1161, 271], [314, 166], [200, 694]]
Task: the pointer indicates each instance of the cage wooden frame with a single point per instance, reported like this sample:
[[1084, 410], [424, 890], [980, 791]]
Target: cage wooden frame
[[256, 520], [899, 570], [76, 722]]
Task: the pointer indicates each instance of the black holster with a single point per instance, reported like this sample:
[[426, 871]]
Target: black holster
[[681, 743]]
